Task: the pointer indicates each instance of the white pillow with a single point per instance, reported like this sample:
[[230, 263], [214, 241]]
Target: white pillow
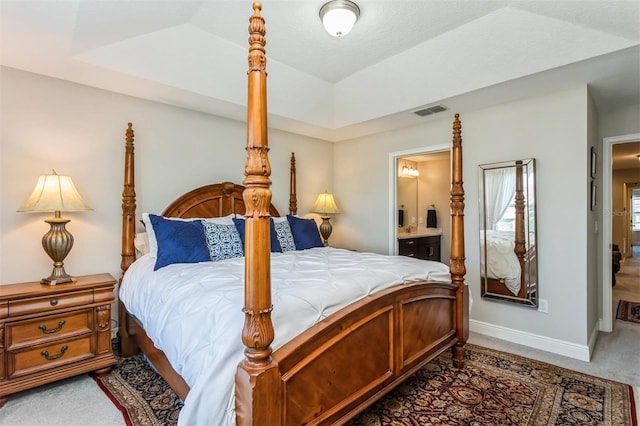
[[141, 243]]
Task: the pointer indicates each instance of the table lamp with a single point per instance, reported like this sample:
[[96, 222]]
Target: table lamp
[[326, 206], [55, 193]]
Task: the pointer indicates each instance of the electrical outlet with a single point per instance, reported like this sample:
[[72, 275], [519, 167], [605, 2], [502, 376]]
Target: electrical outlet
[[543, 306], [420, 220]]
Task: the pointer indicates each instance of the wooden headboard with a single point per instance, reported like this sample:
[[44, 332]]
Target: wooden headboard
[[217, 200]]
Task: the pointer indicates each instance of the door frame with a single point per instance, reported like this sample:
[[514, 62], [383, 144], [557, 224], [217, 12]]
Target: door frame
[[606, 319], [393, 187]]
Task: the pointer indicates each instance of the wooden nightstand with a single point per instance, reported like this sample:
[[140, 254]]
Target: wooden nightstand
[[48, 333]]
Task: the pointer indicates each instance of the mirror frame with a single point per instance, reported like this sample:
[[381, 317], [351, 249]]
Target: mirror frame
[[524, 244]]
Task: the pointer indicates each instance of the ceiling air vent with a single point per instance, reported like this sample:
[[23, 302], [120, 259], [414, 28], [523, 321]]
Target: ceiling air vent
[[430, 110]]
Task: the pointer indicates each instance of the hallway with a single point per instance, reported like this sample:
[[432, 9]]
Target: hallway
[[628, 280]]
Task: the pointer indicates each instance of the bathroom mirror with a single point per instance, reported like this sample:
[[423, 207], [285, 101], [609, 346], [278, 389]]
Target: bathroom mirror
[[407, 200], [508, 261]]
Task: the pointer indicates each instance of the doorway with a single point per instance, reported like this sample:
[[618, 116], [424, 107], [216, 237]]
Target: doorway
[[609, 213], [414, 212]]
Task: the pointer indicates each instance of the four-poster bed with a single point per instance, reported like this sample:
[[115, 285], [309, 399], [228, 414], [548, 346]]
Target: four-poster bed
[[352, 351]]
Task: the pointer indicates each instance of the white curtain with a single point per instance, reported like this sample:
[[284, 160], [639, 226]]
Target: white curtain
[[499, 190]]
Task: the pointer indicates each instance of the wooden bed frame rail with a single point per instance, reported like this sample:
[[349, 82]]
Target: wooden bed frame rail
[[313, 378]]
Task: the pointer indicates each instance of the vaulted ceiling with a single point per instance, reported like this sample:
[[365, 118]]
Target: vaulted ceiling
[[402, 55]]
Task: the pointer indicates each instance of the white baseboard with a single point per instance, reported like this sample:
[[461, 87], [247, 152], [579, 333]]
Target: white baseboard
[[548, 344]]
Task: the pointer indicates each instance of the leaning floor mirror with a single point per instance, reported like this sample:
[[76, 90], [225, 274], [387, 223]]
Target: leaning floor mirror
[[509, 269]]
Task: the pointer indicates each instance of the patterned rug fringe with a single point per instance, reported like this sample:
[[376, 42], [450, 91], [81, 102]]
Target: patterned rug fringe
[[494, 388]]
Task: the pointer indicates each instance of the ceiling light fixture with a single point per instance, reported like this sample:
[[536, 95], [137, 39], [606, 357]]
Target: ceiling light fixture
[[339, 17]]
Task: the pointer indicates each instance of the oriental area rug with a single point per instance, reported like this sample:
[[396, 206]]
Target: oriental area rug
[[628, 311], [494, 388]]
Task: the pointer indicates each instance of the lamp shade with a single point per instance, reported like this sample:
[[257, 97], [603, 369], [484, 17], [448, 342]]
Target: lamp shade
[[52, 193], [325, 204], [339, 17]]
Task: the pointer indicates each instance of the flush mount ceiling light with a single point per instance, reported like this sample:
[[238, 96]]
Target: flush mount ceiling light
[[339, 16]]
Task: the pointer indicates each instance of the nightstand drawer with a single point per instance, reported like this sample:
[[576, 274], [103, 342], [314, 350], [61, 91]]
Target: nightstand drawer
[[46, 357], [42, 330], [49, 303]]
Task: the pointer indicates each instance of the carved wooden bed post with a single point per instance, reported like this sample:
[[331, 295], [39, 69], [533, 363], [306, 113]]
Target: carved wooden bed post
[[258, 374], [293, 197], [128, 202], [520, 238], [127, 346], [457, 267]]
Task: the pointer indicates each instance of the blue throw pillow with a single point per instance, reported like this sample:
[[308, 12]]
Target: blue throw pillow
[[178, 241], [275, 244], [305, 233]]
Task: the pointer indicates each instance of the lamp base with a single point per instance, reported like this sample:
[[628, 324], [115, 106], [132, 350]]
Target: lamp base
[[326, 229], [51, 280], [57, 244]]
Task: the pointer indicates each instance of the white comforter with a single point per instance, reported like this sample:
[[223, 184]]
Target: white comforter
[[193, 311], [502, 262]]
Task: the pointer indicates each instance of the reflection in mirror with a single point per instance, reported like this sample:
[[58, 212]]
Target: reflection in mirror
[[407, 201], [508, 261]]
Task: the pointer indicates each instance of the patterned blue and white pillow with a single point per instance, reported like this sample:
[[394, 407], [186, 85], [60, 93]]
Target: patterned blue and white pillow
[[283, 233], [223, 241]]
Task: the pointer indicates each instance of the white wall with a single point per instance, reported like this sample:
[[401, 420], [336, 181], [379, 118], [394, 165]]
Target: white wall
[[553, 130], [594, 222], [623, 121], [79, 131]]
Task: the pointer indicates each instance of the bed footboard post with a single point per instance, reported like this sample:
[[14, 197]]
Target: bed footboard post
[[258, 382], [128, 346], [457, 266], [520, 248]]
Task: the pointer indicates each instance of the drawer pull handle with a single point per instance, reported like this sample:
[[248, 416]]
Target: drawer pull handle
[[53, 302], [410, 242], [53, 330], [52, 357]]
